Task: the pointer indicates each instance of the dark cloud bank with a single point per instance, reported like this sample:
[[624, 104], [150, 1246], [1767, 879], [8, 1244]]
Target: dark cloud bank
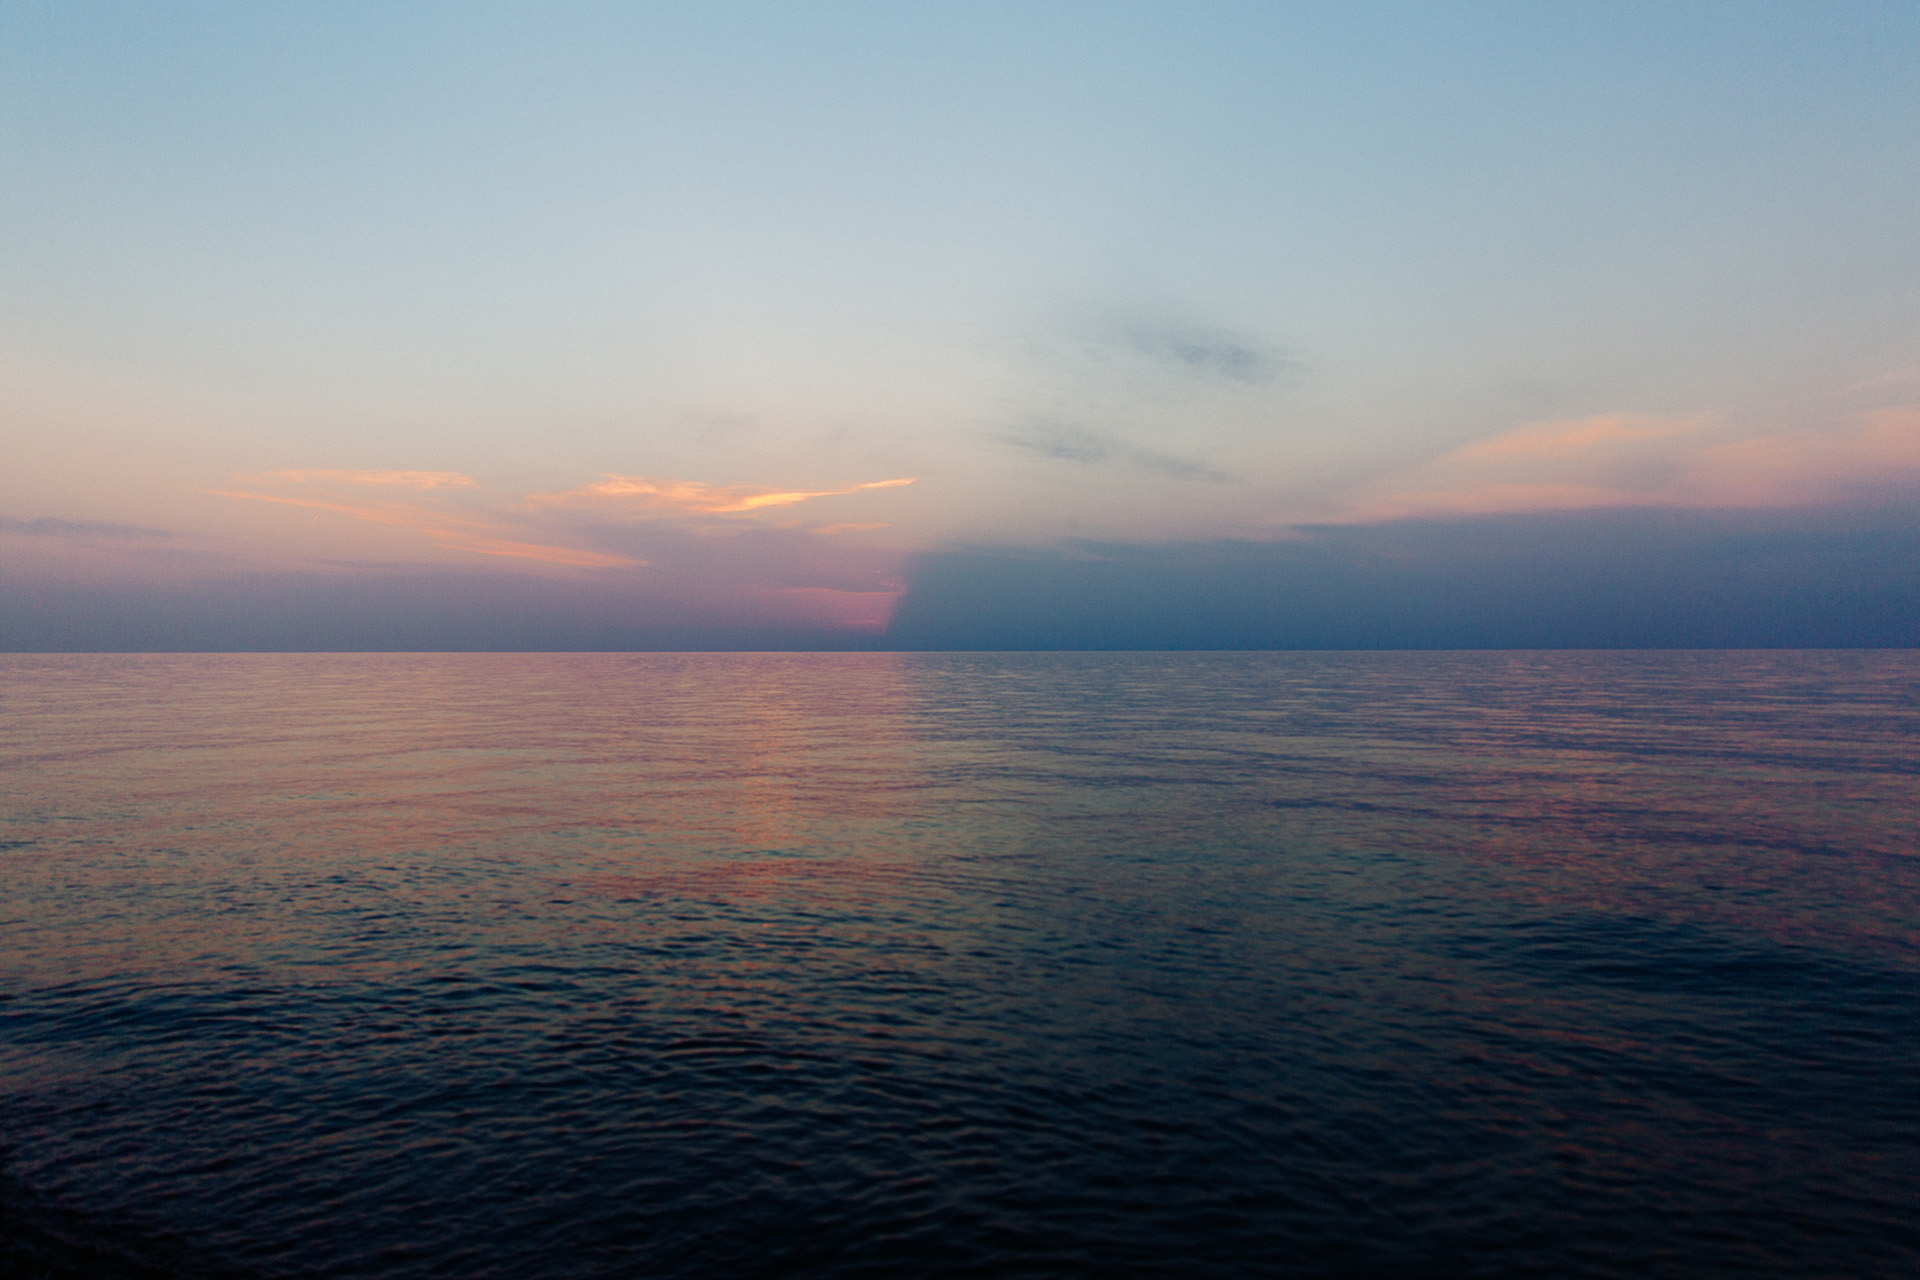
[[379, 610], [1624, 579], [1635, 579], [1095, 448]]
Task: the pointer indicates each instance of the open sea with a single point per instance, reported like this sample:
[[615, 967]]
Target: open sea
[[986, 965]]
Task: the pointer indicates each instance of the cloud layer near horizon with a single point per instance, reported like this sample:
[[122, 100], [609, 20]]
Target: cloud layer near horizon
[[1610, 578], [1622, 459], [666, 562]]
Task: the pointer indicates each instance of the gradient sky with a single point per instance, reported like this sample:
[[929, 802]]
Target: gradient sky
[[742, 316]]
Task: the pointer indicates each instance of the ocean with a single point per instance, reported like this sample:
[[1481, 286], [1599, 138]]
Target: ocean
[[857, 965]]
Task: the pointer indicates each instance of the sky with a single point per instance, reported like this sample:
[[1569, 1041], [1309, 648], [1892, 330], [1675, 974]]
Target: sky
[[934, 325]]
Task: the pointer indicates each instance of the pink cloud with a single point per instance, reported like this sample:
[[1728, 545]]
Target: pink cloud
[[423, 481], [1642, 460], [535, 531], [860, 611], [478, 533], [692, 497], [1576, 438]]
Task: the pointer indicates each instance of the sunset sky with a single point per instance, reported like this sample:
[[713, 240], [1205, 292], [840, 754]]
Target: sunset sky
[[568, 324]]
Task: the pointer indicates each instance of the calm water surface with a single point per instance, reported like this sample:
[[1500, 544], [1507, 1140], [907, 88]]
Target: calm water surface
[[983, 965]]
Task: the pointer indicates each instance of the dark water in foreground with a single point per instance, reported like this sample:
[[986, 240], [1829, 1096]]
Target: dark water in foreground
[[847, 965]]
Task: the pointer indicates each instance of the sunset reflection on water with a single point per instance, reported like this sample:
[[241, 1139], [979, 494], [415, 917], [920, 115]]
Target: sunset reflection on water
[[856, 964]]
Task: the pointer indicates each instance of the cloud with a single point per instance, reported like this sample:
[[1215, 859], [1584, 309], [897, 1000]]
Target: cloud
[[727, 573], [1580, 437], [1891, 378], [1212, 353], [1617, 578], [1877, 447], [422, 481], [477, 532], [1625, 459], [242, 605], [696, 572], [79, 530], [662, 584], [691, 497], [755, 556], [49, 549], [1095, 448], [857, 612]]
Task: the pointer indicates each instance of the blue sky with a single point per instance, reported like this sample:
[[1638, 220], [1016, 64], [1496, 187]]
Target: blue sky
[[638, 293]]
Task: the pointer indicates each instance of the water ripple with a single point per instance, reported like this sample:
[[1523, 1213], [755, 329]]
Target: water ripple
[[970, 965]]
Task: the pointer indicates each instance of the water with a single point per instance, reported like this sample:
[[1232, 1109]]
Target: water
[[960, 965]]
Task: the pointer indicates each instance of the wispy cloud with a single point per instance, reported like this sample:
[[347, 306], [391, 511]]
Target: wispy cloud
[[1641, 460], [691, 497], [422, 481], [79, 530], [478, 532], [1582, 437], [1088, 447], [1204, 352], [656, 558], [1891, 378], [589, 527]]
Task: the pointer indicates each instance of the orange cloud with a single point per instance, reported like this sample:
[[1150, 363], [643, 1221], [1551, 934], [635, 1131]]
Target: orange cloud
[[420, 503], [1582, 436], [1787, 466], [454, 532], [693, 497], [419, 480], [546, 555], [1638, 460]]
